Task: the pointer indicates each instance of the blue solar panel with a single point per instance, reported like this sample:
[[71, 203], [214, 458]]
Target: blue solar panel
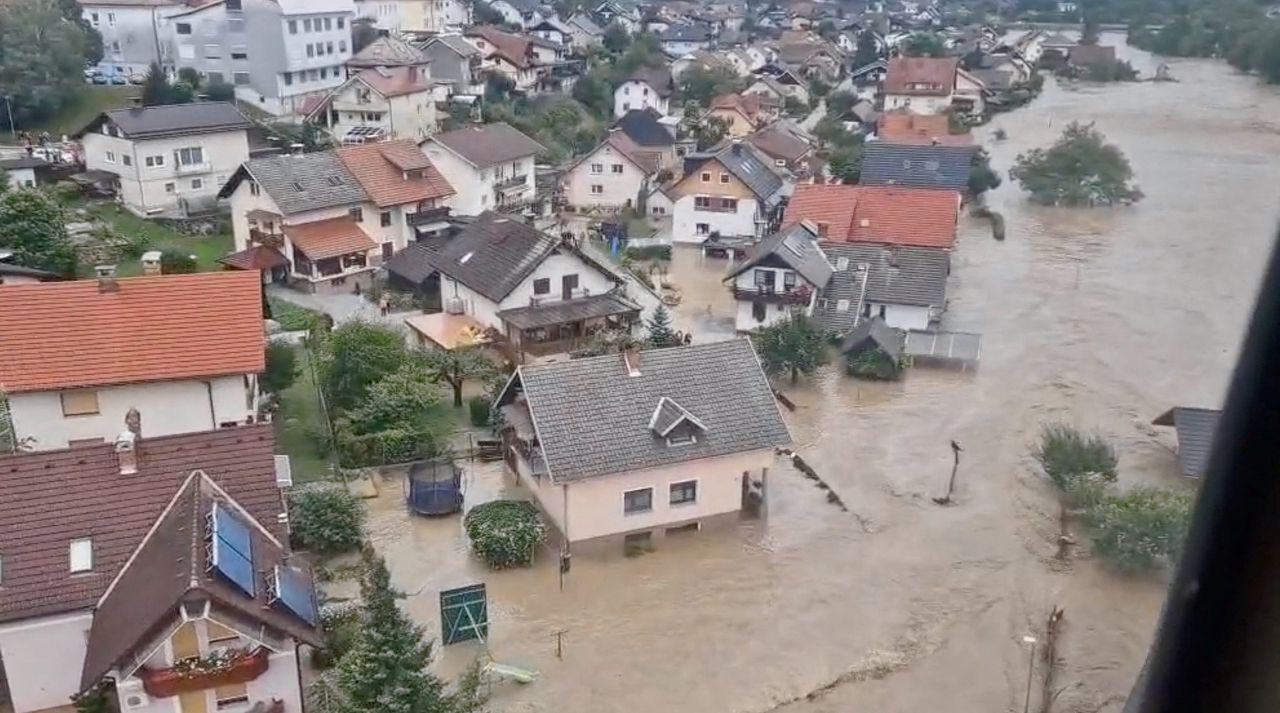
[[295, 593], [233, 565], [231, 530]]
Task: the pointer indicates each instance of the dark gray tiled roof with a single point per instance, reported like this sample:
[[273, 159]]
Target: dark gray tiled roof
[[413, 264], [642, 127], [455, 42], [901, 276], [324, 180], [918, 166], [743, 162], [561, 311], [796, 246], [593, 417], [668, 414], [494, 254], [489, 144], [875, 331], [847, 288], [174, 119], [658, 79], [686, 33], [1195, 428]]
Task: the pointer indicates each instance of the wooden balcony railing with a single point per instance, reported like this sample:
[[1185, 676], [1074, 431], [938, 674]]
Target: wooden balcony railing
[[796, 295]]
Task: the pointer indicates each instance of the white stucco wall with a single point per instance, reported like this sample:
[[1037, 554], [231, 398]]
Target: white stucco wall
[[167, 407], [744, 319], [619, 189], [22, 177], [483, 310], [144, 188], [916, 104], [686, 218], [474, 187], [900, 316], [43, 659], [632, 95]]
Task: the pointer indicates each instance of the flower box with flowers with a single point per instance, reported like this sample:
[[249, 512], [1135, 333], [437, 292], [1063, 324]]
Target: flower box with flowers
[[198, 673]]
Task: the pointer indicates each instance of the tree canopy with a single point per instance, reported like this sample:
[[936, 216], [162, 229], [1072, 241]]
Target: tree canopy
[[660, 333], [157, 89], [1080, 169], [793, 346], [924, 44], [42, 56], [354, 356], [702, 84], [455, 366], [866, 51], [34, 227]]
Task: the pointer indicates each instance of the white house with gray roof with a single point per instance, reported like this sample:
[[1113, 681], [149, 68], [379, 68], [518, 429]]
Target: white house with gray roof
[[167, 159], [732, 194], [641, 444], [490, 166]]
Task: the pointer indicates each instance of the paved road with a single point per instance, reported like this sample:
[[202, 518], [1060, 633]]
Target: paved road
[[820, 111], [343, 307]]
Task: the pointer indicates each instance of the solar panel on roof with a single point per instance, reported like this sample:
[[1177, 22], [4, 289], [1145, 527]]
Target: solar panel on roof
[[231, 549], [233, 531], [294, 593]]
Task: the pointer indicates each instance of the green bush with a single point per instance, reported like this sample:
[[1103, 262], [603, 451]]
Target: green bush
[[340, 624], [648, 252], [327, 519], [505, 533], [291, 317], [873, 364], [1141, 529], [1066, 453], [479, 408], [282, 366]]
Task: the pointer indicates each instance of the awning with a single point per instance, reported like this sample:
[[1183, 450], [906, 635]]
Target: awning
[[329, 238], [448, 331], [258, 257], [565, 311]]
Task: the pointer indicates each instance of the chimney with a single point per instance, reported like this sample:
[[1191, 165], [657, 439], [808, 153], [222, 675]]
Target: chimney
[[631, 359], [133, 422], [737, 146], [297, 149], [126, 455], [151, 262], [106, 275]]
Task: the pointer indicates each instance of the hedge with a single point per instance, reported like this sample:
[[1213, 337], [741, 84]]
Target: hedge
[[505, 533]]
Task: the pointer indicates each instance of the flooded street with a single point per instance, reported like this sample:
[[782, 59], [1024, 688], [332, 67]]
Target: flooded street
[[1102, 317]]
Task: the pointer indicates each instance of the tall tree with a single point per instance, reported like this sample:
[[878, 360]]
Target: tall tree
[[355, 356], [34, 227], [793, 346], [866, 52], [616, 38], [924, 44], [701, 84], [455, 366], [42, 58], [72, 11], [1080, 169], [659, 327]]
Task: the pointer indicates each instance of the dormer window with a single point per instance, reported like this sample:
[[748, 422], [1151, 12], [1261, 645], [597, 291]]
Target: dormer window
[[675, 425]]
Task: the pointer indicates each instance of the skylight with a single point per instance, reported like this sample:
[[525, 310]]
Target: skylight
[[336, 180], [463, 260], [297, 187]]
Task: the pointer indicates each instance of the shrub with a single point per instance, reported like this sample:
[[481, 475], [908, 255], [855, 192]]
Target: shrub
[[282, 366], [340, 624], [220, 92], [1141, 529], [505, 533], [648, 252], [478, 406], [1066, 453], [873, 364], [327, 519], [176, 262]]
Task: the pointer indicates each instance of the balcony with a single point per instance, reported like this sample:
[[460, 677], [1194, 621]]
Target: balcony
[[427, 216], [798, 295], [202, 673], [190, 169], [507, 184]]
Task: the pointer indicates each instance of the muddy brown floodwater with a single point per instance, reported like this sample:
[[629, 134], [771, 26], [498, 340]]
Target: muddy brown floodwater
[[1102, 317]]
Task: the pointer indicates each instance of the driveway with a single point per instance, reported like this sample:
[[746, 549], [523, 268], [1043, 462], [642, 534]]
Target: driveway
[[343, 307]]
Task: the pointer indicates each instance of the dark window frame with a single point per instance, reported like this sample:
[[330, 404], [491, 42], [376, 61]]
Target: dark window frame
[[628, 508]]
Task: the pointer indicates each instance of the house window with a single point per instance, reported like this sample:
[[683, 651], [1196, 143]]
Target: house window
[[81, 552], [109, 157], [197, 184], [542, 286], [170, 187], [293, 27], [702, 228], [617, 168], [212, 52], [758, 311], [724, 178], [729, 204], [701, 203], [126, 159], [311, 50], [684, 492], [328, 48], [341, 22], [79, 403], [637, 501], [155, 161], [789, 280], [239, 53], [384, 219], [190, 156], [182, 28], [230, 695], [241, 78], [342, 45], [254, 189], [357, 214], [288, 78], [111, 19], [306, 25], [328, 23], [597, 168], [597, 189], [882, 309], [706, 177], [866, 309], [842, 264], [219, 634], [683, 438]]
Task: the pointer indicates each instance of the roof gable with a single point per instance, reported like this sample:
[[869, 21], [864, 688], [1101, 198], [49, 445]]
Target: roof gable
[[487, 145], [643, 128], [395, 172], [301, 182], [795, 247], [494, 254], [150, 122]]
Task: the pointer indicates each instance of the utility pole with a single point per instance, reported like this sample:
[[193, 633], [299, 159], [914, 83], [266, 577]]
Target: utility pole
[[956, 450], [560, 643]]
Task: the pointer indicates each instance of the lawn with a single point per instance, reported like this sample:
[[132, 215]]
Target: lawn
[[299, 423], [93, 101], [159, 236]]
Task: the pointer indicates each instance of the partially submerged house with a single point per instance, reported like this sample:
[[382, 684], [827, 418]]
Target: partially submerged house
[[732, 192], [782, 277], [874, 350], [903, 127], [922, 85], [614, 175], [657, 442], [878, 215], [181, 351], [490, 166], [1195, 429], [903, 286]]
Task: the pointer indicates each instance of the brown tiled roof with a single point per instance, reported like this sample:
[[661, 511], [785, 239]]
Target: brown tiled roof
[[395, 81], [380, 169], [63, 335], [882, 215], [749, 105], [920, 129], [170, 566], [938, 73], [485, 145], [323, 239], [515, 49], [779, 143], [54, 497], [257, 257], [646, 161]]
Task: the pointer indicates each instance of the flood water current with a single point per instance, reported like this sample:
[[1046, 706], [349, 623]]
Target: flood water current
[[1102, 317]]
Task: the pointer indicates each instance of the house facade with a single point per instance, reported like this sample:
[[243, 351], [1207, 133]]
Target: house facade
[[687, 425], [130, 41], [783, 276], [382, 103], [732, 193], [78, 356], [645, 88], [921, 85], [167, 159], [612, 176], [456, 61], [490, 167]]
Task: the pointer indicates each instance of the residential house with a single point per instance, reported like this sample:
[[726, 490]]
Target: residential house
[[645, 88], [167, 159], [25, 171], [77, 356], [768, 87], [742, 61], [388, 51], [413, 16], [652, 132], [541, 295], [874, 337], [792, 83], [1087, 57], [690, 432], [524, 14], [878, 215], [311, 210], [704, 59], [407, 192], [489, 167], [552, 29], [813, 57], [731, 193], [921, 85], [277, 53], [1195, 429], [14, 274], [781, 141], [904, 127], [153, 550], [924, 166], [1054, 50], [782, 277], [614, 175], [868, 78], [130, 43], [970, 96], [397, 102], [585, 32], [681, 39], [520, 58], [457, 61], [742, 114]]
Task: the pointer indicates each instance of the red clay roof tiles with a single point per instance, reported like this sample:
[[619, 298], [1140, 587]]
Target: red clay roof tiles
[[920, 129], [883, 215], [921, 76], [380, 169], [64, 335], [333, 237]]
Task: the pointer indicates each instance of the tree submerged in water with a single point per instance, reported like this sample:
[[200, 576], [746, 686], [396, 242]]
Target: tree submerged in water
[[1080, 169]]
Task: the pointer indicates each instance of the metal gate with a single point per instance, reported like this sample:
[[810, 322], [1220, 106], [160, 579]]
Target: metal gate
[[464, 614]]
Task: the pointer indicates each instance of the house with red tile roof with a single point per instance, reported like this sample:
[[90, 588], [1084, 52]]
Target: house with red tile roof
[[180, 352], [920, 85], [523, 59], [904, 127], [380, 103], [743, 113], [878, 215], [147, 560]]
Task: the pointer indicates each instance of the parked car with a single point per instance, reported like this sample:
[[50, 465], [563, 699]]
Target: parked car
[[119, 79], [137, 78], [99, 78]]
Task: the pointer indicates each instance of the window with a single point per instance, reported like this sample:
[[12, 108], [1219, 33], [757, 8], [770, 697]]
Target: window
[[702, 203], [111, 19], [324, 72], [81, 555], [341, 22], [109, 157], [241, 78], [219, 634], [597, 168], [288, 78], [357, 214], [781, 163], [214, 77], [342, 45], [240, 52], [230, 695], [190, 156], [126, 159], [706, 177], [758, 311], [293, 27], [626, 106], [789, 280], [153, 161], [196, 184], [306, 25], [170, 187], [328, 48], [684, 492], [542, 286], [637, 501], [646, 91], [702, 229], [254, 189], [724, 178], [313, 75], [328, 23], [881, 311], [212, 52], [182, 28], [93, 18], [617, 168], [384, 219], [597, 189], [311, 50], [626, 90], [235, 24], [79, 403], [728, 204]]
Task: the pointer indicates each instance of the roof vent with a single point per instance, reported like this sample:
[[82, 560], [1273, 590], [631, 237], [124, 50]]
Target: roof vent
[[106, 275], [631, 360], [126, 455]]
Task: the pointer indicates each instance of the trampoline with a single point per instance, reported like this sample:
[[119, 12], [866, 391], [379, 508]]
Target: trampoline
[[434, 487]]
